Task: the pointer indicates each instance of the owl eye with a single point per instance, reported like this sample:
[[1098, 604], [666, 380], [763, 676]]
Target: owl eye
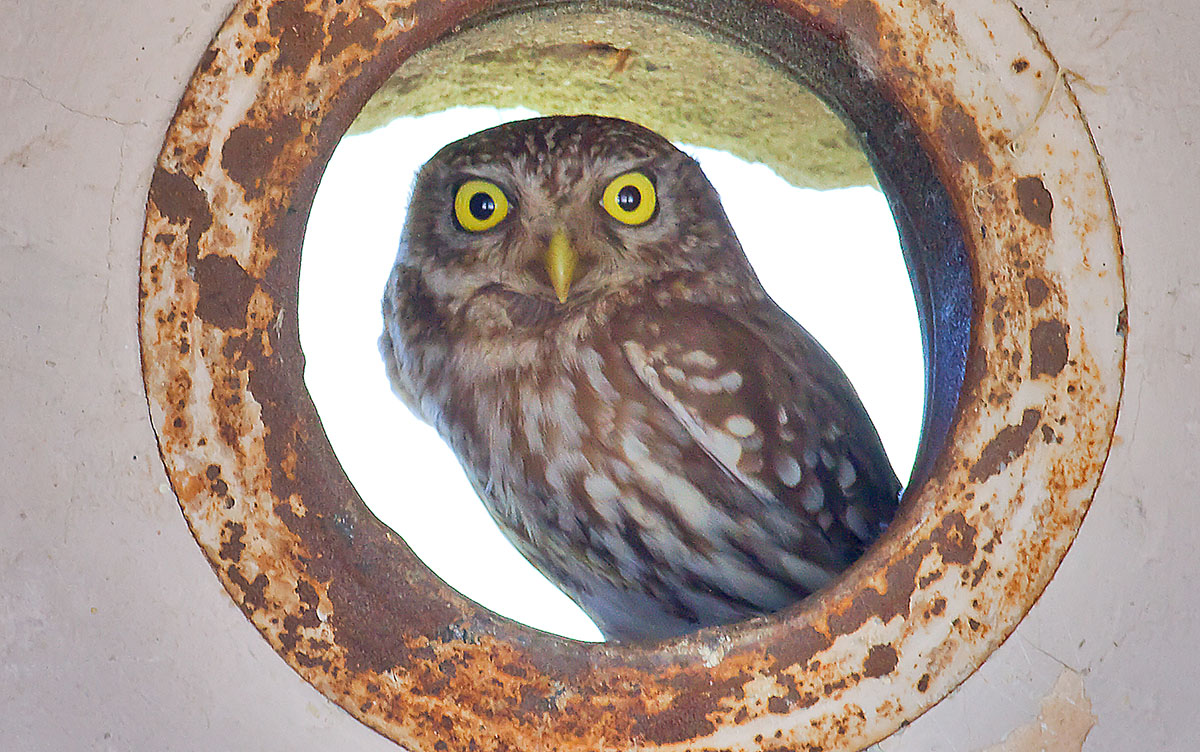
[[479, 205], [630, 198]]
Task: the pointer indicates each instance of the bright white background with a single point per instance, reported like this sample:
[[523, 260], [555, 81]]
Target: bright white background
[[830, 258]]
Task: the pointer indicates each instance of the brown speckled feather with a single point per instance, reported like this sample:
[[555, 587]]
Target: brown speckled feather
[[665, 444]]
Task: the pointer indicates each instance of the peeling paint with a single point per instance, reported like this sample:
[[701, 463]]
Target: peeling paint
[[1063, 723]]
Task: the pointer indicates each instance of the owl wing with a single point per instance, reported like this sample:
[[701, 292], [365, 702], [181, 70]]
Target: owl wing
[[774, 411], [407, 317]]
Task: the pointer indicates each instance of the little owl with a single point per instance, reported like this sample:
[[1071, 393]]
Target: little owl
[[571, 310]]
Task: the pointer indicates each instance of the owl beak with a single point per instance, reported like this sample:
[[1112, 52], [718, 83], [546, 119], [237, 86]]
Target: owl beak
[[561, 259]]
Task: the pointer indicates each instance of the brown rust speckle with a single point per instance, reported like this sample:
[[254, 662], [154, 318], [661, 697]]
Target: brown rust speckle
[[1048, 352], [177, 198], [955, 539], [1005, 446], [232, 547], [1035, 201], [299, 32], [960, 135], [249, 154], [225, 290], [208, 59], [881, 660], [680, 721], [254, 593], [800, 647], [1037, 291], [901, 581], [979, 572], [345, 32]]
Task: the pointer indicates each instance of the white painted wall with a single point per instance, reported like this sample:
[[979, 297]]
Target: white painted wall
[[114, 634]]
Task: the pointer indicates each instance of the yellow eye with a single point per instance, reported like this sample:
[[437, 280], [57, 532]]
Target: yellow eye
[[630, 198], [480, 205]]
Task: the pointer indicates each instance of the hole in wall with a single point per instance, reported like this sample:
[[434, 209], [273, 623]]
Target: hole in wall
[[828, 252], [936, 133]]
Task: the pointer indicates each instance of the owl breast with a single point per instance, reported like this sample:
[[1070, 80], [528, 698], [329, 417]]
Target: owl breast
[[604, 488]]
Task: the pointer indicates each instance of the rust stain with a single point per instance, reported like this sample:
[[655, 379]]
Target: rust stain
[[881, 661], [1005, 447], [960, 134], [181, 202], [1037, 290], [232, 547], [249, 154], [1035, 201], [299, 35], [225, 291], [1048, 352], [955, 539], [864, 16]]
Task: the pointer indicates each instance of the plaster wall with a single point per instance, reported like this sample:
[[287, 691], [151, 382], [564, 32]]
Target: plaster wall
[[114, 634]]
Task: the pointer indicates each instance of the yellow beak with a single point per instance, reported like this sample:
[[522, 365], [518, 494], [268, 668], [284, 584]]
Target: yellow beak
[[560, 264]]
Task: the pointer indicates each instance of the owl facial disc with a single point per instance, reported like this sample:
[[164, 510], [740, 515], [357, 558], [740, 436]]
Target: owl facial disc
[[560, 264]]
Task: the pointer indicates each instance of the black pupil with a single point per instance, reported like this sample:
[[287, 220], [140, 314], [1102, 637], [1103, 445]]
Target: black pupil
[[628, 198], [482, 206]]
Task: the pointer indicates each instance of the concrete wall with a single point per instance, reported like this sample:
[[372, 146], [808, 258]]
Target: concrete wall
[[114, 634]]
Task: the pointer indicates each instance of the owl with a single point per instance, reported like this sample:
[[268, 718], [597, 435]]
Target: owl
[[571, 310]]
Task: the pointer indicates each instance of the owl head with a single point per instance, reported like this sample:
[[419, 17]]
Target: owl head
[[563, 210]]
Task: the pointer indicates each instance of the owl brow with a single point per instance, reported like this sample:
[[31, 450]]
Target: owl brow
[[499, 177], [642, 166]]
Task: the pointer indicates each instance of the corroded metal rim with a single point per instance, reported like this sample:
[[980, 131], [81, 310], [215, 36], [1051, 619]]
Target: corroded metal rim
[[990, 515]]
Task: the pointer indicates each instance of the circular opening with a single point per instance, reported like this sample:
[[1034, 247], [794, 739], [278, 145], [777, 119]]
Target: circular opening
[[828, 253]]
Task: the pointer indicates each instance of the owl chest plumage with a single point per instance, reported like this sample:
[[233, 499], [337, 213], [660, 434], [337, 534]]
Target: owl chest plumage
[[567, 429], [546, 436]]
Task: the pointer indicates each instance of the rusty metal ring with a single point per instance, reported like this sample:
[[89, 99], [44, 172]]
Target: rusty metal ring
[[991, 514]]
